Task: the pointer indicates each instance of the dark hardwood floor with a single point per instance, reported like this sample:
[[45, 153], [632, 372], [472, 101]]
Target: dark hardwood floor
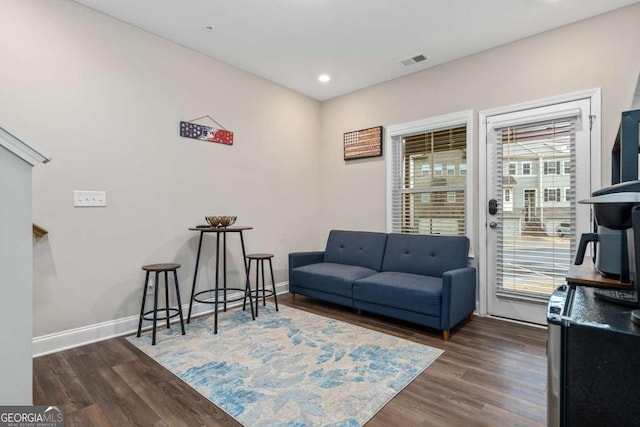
[[493, 373]]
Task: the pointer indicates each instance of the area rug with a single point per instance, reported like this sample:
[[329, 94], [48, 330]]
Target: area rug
[[289, 368]]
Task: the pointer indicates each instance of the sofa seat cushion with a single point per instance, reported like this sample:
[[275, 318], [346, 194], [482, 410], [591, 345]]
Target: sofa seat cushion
[[406, 291], [329, 277]]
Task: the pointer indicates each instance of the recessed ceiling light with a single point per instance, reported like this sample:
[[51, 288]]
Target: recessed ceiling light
[[324, 78]]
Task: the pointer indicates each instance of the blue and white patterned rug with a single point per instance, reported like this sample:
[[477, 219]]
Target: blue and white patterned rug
[[289, 368]]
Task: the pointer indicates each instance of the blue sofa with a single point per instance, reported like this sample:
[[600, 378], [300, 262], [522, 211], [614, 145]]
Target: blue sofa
[[424, 279]]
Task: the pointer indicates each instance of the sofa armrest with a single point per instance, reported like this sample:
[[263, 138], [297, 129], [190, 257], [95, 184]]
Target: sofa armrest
[[298, 259], [458, 296]]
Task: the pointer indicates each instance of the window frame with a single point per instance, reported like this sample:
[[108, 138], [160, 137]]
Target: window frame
[[528, 168], [557, 195], [462, 118], [558, 167]]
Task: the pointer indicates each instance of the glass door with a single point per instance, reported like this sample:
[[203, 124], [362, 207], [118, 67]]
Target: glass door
[[538, 164]]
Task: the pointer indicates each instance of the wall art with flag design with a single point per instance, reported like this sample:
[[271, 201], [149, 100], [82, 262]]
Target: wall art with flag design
[[206, 133], [363, 143]]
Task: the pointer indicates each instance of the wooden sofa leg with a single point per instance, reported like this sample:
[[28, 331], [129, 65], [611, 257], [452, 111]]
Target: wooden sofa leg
[[359, 312], [293, 298], [471, 316], [445, 335]]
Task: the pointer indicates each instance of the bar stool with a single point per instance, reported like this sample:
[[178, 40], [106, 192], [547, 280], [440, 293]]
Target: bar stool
[[259, 259], [157, 269]]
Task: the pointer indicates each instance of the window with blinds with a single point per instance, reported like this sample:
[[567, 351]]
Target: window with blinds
[[533, 256], [429, 173]]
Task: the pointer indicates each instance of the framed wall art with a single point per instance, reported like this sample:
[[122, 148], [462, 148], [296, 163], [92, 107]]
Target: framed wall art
[[360, 144]]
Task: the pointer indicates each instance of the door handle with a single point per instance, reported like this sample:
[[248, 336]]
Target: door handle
[[493, 224], [493, 206]]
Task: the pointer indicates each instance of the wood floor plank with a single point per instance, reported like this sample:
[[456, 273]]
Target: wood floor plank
[[115, 397], [46, 375], [506, 385], [57, 377], [185, 395], [160, 395], [91, 416], [38, 393], [524, 377], [429, 408], [485, 393], [499, 416], [117, 352], [492, 373]]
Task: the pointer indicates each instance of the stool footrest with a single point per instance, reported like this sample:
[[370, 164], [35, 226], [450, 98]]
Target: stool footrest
[[221, 299], [164, 316], [262, 292]]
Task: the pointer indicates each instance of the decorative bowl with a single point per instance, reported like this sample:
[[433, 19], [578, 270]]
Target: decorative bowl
[[221, 221]]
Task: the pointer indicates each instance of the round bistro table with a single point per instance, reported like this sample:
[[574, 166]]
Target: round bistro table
[[224, 288]]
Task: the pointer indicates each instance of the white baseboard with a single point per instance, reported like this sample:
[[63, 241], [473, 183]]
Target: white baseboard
[[71, 338]]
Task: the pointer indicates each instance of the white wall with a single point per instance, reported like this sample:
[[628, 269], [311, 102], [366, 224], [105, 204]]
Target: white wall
[[105, 99], [598, 52], [16, 284]]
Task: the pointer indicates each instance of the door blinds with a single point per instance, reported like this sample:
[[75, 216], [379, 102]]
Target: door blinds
[[429, 172], [535, 170]]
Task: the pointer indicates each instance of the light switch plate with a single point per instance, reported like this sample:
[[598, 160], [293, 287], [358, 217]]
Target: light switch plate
[[89, 198]]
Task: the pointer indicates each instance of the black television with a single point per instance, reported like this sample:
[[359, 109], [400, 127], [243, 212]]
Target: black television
[[624, 155]]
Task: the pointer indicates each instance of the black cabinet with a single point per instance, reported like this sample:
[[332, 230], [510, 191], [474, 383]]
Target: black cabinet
[[601, 353]]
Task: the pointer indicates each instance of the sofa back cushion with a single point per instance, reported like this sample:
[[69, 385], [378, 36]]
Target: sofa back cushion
[[425, 254], [361, 248]]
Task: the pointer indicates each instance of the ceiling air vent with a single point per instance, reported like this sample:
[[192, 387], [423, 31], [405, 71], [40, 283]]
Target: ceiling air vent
[[413, 59]]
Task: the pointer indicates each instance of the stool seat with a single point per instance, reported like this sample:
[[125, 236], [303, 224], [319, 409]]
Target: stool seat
[[161, 267], [259, 256]]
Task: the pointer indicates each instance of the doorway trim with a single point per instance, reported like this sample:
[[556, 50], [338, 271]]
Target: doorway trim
[[596, 154]]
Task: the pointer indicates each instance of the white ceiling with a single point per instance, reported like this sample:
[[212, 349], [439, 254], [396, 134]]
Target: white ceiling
[[357, 42]]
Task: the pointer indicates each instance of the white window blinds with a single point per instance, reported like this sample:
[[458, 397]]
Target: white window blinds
[[429, 182], [532, 256]]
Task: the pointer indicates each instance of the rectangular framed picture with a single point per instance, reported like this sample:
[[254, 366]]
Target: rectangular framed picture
[[364, 143]]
